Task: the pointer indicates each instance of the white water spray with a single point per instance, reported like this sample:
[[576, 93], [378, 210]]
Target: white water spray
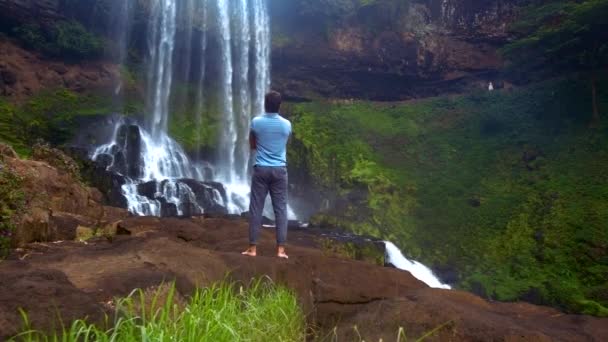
[[418, 270]]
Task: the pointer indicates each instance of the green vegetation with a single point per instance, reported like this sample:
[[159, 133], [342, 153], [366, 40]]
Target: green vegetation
[[7, 131], [66, 39], [11, 201], [563, 35], [222, 312], [506, 187], [51, 116], [367, 251]]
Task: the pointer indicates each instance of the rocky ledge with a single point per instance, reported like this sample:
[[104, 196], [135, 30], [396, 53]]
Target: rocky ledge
[[58, 275], [78, 280]]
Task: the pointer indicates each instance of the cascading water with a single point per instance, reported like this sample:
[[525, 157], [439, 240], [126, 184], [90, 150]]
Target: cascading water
[[152, 159], [418, 270]]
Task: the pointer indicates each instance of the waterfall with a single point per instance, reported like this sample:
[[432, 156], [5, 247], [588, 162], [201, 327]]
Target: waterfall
[[161, 42], [158, 172], [418, 270], [118, 24]]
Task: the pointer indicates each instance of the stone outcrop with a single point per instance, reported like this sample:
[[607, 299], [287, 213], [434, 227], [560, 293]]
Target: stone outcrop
[[56, 202]]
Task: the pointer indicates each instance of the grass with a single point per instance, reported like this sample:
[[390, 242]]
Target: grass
[[52, 116], [221, 312]]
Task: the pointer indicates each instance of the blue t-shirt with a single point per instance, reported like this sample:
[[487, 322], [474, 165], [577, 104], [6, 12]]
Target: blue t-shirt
[[271, 132]]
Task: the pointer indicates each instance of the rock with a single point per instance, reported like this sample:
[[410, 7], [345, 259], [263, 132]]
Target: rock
[[474, 202], [56, 158], [55, 202], [167, 209], [7, 151], [127, 158], [8, 77], [533, 158], [64, 226], [148, 189], [111, 229], [104, 160], [59, 68], [32, 226], [84, 233], [209, 195]]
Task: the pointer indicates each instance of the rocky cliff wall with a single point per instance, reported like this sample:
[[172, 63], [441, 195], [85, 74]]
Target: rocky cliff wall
[[388, 52], [383, 50]]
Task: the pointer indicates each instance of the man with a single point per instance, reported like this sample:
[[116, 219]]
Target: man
[[268, 136]]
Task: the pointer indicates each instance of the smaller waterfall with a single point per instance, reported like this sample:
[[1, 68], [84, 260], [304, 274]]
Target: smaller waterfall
[[418, 270]]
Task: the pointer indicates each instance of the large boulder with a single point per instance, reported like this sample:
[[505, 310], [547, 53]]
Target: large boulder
[[55, 201]]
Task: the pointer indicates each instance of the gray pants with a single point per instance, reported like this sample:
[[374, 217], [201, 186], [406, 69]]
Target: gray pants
[[274, 180]]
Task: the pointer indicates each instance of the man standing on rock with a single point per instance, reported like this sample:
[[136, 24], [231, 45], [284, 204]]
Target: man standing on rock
[[268, 136]]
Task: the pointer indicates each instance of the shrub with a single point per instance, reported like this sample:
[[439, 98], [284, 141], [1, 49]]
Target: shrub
[[72, 40]]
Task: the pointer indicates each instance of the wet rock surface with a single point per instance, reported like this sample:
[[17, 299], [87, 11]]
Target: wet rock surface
[[77, 280]]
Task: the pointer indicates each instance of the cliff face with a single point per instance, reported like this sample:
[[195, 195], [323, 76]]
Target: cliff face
[[383, 52]]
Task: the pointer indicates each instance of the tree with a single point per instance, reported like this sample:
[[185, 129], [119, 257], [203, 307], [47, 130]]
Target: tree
[[564, 35]]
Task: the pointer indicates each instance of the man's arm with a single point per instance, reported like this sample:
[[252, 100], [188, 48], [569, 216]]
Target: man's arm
[[253, 143]]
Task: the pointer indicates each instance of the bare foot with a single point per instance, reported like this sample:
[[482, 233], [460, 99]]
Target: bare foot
[[251, 251], [281, 253]]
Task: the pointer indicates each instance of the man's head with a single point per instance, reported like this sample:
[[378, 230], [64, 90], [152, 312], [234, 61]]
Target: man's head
[[272, 102]]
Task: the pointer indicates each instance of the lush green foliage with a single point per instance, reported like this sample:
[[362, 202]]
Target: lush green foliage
[[66, 39], [11, 201], [50, 116], [508, 188], [222, 312], [561, 34], [7, 130]]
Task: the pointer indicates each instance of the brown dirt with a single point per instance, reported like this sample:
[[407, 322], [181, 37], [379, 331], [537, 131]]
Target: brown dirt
[[24, 73]]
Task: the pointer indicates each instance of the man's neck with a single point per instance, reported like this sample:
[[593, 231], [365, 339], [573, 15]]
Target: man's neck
[[272, 114]]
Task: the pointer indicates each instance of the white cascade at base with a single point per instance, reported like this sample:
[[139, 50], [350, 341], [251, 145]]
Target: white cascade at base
[[163, 161], [418, 270]]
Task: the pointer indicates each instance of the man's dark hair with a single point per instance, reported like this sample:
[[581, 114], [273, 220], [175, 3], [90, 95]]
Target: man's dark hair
[[272, 102]]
